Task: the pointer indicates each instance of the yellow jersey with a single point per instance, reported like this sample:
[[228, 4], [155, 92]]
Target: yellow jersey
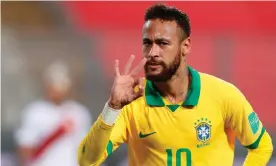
[[200, 131]]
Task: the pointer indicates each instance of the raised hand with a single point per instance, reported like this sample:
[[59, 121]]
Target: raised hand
[[122, 92]]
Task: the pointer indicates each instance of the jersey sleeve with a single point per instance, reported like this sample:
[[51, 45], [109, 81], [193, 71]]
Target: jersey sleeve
[[29, 132], [241, 118], [102, 140]]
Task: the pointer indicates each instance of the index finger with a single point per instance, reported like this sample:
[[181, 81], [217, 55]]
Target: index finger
[[116, 68], [138, 68], [129, 63]]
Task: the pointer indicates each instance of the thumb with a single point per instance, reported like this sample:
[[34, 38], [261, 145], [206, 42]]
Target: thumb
[[138, 94], [139, 89]]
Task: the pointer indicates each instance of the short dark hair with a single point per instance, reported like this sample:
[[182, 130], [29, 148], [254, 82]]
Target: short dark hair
[[169, 13]]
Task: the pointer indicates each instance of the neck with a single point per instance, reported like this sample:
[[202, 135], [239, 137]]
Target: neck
[[55, 101], [176, 88]]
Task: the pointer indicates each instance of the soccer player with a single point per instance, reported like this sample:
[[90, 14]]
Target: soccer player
[[177, 116], [53, 126]]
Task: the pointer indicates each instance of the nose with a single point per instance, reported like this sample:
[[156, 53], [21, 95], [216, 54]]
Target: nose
[[154, 51]]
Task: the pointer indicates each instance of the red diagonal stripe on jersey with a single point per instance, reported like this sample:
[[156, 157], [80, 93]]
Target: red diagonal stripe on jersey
[[38, 151]]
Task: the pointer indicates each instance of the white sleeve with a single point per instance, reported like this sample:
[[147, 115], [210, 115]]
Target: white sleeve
[[28, 134]]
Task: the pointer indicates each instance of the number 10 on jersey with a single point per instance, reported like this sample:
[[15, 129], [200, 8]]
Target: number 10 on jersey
[[177, 156]]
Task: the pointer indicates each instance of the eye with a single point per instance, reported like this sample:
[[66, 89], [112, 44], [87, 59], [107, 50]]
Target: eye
[[163, 43], [147, 43]]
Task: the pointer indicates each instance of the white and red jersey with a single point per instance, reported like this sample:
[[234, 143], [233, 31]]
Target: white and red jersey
[[54, 132]]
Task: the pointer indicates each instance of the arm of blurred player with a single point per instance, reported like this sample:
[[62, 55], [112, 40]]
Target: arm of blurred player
[[249, 130], [27, 136]]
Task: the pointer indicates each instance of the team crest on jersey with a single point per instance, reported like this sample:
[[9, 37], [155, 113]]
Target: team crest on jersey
[[203, 131]]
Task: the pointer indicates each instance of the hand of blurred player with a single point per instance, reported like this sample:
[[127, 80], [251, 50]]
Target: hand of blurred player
[[122, 92]]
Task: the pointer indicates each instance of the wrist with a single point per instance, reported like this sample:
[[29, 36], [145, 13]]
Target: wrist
[[109, 115], [113, 105]]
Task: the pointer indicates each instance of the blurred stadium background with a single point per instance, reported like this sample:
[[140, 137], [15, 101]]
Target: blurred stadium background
[[232, 40]]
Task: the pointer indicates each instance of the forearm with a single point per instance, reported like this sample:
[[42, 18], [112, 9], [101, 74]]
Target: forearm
[[92, 148], [261, 155], [24, 154]]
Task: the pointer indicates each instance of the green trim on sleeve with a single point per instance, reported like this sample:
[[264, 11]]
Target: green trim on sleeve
[[256, 143], [109, 148], [83, 149]]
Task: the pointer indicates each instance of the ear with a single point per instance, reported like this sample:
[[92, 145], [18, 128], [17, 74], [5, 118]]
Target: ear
[[186, 46]]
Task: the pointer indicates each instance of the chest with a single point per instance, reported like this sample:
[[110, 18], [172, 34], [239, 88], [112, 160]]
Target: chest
[[185, 127], [50, 119]]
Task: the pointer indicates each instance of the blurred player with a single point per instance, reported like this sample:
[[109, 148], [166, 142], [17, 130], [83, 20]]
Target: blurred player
[[52, 128], [177, 116]]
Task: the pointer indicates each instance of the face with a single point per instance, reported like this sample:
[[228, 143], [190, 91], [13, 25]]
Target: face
[[163, 48], [56, 93]]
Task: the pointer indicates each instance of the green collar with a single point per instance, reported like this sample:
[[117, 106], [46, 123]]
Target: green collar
[[153, 98]]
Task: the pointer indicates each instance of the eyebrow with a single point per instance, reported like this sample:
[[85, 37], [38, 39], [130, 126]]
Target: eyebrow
[[156, 40]]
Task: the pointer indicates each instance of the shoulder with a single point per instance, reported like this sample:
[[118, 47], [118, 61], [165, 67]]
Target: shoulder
[[223, 90], [135, 108], [138, 103], [77, 108], [38, 106], [35, 111], [208, 79], [217, 84], [76, 105]]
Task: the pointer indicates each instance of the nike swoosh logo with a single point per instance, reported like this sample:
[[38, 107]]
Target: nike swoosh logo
[[145, 135]]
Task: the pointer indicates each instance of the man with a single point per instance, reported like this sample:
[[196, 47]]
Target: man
[[177, 116], [52, 128]]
